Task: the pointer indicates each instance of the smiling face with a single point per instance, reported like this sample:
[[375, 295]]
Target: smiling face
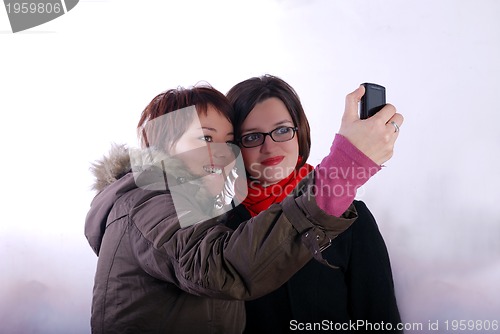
[[204, 149], [272, 161]]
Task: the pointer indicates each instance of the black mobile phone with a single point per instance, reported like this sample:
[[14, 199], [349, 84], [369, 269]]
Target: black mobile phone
[[372, 101]]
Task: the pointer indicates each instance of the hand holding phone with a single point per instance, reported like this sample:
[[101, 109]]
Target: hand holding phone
[[370, 136], [372, 101]]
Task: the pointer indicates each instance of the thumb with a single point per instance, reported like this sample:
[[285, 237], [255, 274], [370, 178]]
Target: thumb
[[351, 104]]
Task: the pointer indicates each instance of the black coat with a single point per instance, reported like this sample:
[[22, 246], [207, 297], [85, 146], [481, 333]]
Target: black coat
[[361, 288]]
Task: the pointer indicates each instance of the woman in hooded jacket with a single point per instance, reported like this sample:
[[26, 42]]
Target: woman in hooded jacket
[[166, 261], [357, 285]]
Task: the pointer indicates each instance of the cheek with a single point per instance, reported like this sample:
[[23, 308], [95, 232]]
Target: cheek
[[249, 159], [181, 146], [292, 149]]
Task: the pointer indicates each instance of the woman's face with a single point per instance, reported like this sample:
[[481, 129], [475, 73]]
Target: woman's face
[[204, 149], [272, 161]]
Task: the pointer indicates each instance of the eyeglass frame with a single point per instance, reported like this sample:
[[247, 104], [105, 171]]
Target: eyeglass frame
[[265, 134]]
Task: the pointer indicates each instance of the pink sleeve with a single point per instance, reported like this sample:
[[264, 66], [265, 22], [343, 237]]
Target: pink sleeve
[[340, 174]]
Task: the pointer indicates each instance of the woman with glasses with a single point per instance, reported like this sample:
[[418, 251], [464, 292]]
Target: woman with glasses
[[355, 280]]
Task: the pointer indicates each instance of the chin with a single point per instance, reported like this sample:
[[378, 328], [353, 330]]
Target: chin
[[275, 175], [213, 184]]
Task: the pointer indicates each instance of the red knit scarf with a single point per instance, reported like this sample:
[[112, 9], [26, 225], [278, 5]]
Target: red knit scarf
[[260, 198]]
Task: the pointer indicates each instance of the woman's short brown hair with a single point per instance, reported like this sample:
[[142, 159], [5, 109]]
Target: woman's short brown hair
[[246, 94], [165, 134]]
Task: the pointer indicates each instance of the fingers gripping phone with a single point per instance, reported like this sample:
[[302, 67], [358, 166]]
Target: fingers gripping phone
[[372, 101]]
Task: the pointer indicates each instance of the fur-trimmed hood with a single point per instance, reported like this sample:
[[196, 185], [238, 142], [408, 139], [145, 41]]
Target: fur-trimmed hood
[[121, 160], [124, 170]]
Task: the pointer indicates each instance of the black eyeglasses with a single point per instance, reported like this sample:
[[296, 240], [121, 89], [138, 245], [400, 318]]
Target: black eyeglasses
[[281, 134]]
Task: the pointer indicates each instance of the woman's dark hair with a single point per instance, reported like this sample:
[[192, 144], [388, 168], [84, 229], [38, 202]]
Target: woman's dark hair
[[164, 132], [245, 95]]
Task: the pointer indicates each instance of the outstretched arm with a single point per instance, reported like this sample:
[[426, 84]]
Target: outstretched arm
[[357, 152]]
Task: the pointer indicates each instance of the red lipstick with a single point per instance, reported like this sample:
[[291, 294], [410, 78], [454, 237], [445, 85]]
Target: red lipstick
[[272, 161]]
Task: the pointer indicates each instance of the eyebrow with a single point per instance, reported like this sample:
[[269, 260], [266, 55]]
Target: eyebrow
[[275, 124], [215, 130]]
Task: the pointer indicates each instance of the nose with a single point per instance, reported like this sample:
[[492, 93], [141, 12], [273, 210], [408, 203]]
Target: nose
[[221, 150], [267, 145]]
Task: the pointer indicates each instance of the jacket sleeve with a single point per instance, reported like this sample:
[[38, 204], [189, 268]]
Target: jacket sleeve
[[210, 259]]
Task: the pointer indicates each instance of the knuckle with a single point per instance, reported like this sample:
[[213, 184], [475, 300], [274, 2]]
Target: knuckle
[[391, 107], [387, 138], [351, 97]]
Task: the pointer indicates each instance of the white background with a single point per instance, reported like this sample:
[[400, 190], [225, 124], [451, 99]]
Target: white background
[[71, 87]]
